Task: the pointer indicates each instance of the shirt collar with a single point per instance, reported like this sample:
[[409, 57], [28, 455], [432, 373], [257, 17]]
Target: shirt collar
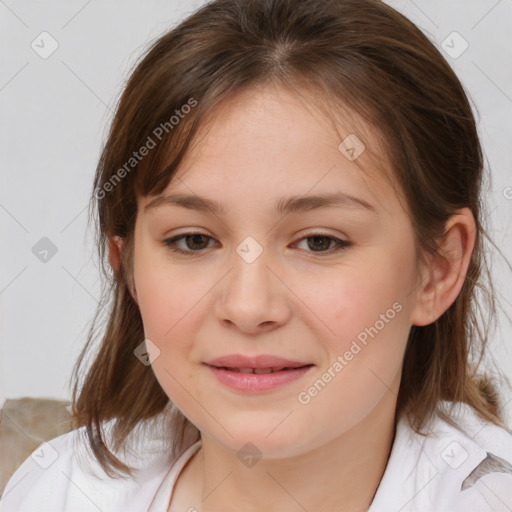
[[426, 472]]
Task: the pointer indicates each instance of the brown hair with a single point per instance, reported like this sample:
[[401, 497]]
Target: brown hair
[[360, 54]]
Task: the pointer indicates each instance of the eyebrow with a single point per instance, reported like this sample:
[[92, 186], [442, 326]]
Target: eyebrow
[[283, 206]]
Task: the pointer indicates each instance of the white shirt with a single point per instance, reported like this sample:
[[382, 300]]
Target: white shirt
[[448, 471]]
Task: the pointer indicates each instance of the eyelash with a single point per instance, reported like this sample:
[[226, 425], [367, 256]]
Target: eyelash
[[170, 243]]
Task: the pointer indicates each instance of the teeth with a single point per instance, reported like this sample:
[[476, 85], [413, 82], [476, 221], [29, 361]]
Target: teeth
[[257, 371]]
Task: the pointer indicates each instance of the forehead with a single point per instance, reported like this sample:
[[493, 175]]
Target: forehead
[[268, 142]]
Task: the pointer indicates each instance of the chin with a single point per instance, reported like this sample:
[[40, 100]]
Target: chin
[[262, 439]]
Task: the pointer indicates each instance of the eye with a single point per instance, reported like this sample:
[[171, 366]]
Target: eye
[[320, 241], [196, 242], [191, 239]]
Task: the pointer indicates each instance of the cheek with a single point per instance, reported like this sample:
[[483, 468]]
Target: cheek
[[358, 298], [166, 295], [172, 304], [366, 309], [166, 301], [366, 312]]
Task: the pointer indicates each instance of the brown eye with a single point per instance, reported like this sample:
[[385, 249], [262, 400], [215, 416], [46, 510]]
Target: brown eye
[[321, 243], [194, 242]]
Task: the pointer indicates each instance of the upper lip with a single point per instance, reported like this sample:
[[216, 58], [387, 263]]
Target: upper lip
[[260, 361]]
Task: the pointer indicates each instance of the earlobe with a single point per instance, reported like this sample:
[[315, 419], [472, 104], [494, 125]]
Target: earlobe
[[447, 269]]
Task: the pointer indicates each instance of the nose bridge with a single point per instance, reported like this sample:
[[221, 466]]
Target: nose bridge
[[250, 275], [251, 292]]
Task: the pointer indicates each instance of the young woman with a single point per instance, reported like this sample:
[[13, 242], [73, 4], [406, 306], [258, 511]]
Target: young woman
[[290, 201]]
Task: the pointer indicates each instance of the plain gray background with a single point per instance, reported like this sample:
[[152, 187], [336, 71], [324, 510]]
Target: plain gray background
[[54, 115]]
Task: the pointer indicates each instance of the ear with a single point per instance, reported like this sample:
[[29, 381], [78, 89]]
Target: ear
[[115, 250], [114, 253], [446, 270]]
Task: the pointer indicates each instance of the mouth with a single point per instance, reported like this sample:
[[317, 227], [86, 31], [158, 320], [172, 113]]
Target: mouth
[[258, 374], [260, 371]]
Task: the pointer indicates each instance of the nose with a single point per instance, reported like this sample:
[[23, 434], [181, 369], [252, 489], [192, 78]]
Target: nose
[[252, 298]]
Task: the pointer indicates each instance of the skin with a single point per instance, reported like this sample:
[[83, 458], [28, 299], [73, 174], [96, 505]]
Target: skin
[[295, 300]]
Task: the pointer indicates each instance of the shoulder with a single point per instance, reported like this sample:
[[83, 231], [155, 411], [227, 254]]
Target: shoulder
[[449, 469], [481, 455], [62, 474]]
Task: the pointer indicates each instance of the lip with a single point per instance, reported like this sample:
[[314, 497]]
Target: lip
[[226, 371], [260, 361]]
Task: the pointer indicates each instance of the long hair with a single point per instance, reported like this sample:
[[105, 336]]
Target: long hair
[[358, 56]]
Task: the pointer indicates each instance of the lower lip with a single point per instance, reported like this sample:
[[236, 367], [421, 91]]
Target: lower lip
[[257, 383]]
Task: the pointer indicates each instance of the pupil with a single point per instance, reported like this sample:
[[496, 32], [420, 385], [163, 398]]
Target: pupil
[[317, 238], [194, 238]]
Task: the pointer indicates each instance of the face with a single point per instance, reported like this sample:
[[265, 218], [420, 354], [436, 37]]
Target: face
[[327, 286]]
